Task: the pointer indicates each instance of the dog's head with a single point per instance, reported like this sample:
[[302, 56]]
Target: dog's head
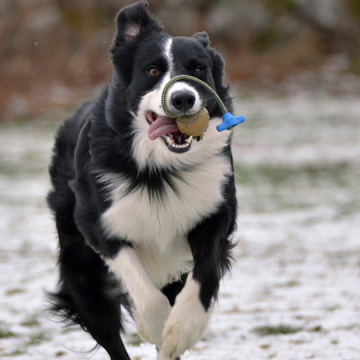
[[144, 59]]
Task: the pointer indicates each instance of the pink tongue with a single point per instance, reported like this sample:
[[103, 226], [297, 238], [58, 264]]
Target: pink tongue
[[162, 126]]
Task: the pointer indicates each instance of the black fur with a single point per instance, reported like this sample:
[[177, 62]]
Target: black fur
[[97, 139]]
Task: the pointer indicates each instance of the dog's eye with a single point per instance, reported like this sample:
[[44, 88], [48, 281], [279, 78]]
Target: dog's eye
[[199, 69], [153, 71]]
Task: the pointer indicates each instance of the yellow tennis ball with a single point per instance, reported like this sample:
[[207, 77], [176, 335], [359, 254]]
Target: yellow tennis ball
[[194, 125]]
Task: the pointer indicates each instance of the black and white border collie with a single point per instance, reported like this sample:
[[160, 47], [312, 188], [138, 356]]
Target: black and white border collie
[[144, 214]]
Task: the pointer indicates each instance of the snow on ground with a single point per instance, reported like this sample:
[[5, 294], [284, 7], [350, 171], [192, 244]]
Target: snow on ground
[[294, 291]]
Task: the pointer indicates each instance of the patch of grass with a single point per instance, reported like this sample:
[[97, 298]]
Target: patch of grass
[[70, 329], [4, 334], [333, 308], [276, 330], [339, 174], [276, 187], [15, 353], [29, 166], [347, 208], [37, 338], [341, 258], [289, 284], [134, 339], [60, 353], [15, 292], [31, 322], [292, 283]]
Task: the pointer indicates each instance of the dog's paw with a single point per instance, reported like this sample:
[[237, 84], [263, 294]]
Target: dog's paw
[[151, 318], [161, 356], [187, 322]]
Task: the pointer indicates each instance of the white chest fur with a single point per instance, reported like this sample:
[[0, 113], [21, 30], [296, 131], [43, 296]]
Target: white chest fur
[[148, 221], [158, 228]]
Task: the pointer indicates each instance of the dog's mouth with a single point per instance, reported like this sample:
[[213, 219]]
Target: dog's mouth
[[166, 128]]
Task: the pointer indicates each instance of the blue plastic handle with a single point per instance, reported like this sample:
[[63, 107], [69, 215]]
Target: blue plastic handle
[[229, 121]]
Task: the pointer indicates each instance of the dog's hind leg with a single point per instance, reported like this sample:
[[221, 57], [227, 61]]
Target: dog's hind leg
[[88, 295]]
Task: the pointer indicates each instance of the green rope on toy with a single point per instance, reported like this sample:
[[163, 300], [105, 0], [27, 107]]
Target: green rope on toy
[[194, 80], [229, 120]]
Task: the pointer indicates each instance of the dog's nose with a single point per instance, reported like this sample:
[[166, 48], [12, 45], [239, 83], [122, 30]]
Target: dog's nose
[[182, 100]]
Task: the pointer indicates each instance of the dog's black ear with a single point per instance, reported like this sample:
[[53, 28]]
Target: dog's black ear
[[218, 72], [203, 37], [133, 21]]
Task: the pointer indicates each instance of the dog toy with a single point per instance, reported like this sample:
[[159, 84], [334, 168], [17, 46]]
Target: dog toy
[[196, 125]]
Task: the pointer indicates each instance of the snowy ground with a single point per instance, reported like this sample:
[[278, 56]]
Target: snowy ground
[[294, 292]]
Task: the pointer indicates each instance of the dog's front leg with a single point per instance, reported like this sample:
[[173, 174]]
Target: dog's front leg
[[152, 308], [188, 319], [186, 323]]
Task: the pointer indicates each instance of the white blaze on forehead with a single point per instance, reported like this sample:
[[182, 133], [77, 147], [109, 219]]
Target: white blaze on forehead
[[169, 55], [178, 86], [167, 76]]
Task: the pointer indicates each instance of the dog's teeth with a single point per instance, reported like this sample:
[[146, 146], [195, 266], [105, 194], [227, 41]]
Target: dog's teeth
[[174, 145], [178, 146]]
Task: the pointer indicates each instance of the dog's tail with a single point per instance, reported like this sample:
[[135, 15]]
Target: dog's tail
[[88, 295], [86, 289]]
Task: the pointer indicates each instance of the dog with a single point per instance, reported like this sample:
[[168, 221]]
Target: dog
[[144, 214]]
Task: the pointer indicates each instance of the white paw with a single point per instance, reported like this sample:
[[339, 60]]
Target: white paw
[[187, 322], [161, 356], [151, 318]]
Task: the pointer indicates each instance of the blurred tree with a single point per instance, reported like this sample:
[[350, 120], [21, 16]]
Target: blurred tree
[[54, 51]]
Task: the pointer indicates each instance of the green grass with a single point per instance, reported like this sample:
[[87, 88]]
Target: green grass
[[31, 322], [340, 174], [15, 292], [269, 188], [134, 339], [276, 330], [348, 207], [14, 353], [29, 164], [289, 284], [4, 334], [37, 338]]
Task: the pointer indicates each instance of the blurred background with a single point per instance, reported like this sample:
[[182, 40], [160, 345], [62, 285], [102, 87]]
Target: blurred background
[[54, 52], [294, 66]]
